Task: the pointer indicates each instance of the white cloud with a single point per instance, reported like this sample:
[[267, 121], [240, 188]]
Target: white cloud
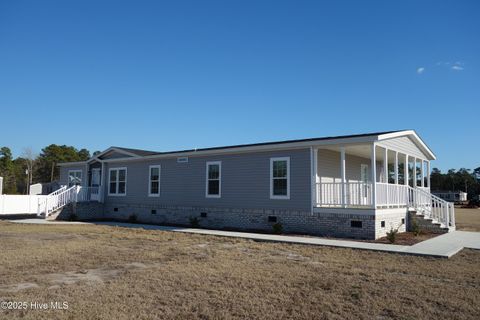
[[458, 66], [420, 70]]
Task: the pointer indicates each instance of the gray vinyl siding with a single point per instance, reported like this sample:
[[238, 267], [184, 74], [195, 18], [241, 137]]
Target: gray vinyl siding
[[404, 145], [64, 174], [245, 181]]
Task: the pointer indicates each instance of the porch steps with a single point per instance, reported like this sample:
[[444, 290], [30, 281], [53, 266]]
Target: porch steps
[[425, 223]]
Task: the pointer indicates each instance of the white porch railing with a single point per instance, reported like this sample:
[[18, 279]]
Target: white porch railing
[[391, 195], [63, 196], [359, 194], [432, 207]]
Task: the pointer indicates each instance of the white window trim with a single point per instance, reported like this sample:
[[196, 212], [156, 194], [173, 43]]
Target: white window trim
[[150, 194], [81, 176], [117, 182], [219, 195], [272, 196]]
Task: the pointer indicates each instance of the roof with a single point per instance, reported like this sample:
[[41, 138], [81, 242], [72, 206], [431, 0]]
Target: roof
[[138, 152], [281, 142], [373, 136]]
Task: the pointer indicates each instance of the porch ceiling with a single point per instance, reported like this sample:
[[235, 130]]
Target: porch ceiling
[[359, 150]]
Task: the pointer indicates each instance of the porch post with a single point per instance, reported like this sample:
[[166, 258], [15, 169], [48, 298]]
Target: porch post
[[102, 184], [385, 173], [423, 173], [342, 170], [405, 169], [414, 172], [314, 175], [86, 175], [374, 175], [385, 165], [396, 167], [428, 174]]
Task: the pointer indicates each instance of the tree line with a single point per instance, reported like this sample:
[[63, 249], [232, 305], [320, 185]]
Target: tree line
[[466, 180], [29, 168]]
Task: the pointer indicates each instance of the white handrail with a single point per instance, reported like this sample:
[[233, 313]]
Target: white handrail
[[63, 196], [432, 206], [359, 194]]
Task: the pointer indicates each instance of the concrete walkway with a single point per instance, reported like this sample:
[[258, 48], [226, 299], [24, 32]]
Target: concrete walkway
[[443, 246]]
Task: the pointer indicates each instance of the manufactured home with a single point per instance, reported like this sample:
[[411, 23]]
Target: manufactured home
[[359, 186], [452, 196]]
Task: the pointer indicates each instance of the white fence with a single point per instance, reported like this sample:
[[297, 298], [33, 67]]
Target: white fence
[[20, 204]]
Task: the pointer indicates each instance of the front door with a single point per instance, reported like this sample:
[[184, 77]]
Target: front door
[[95, 182], [95, 178], [365, 187]]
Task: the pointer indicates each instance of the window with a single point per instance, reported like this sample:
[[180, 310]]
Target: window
[[117, 182], [214, 179], [154, 181], [74, 178], [280, 178]]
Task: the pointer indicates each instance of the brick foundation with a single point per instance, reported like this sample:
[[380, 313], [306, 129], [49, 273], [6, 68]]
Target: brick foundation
[[344, 223]]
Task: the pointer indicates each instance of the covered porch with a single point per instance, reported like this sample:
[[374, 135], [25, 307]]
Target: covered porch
[[368, 175]]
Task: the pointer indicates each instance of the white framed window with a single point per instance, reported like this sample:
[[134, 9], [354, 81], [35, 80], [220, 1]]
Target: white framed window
[[117, 181], [280, 178], [74, 178], [154, 181], [213, 187]]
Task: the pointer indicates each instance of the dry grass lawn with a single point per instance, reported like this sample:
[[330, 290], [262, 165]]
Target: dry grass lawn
[[117, 273], [467, 219]]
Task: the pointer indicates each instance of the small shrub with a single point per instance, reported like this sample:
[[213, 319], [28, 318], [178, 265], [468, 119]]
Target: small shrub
[[392, 235], [415, 228], [277, 228], [194, 223], [132, 218]]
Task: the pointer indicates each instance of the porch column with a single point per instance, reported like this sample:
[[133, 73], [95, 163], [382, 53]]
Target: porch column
[[423, 173], [385, 165], [86, 175], [414, 172], [102, 184], [373, 175], [314, 161], [385, 173], [396, 167], [405, 170], [342, 170], [428, 174]]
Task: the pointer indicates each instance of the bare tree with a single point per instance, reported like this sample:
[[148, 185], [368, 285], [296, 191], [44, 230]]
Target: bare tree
[[29, 157]]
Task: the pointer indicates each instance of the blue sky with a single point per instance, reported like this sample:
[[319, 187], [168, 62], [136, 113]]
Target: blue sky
[[188, 74]]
